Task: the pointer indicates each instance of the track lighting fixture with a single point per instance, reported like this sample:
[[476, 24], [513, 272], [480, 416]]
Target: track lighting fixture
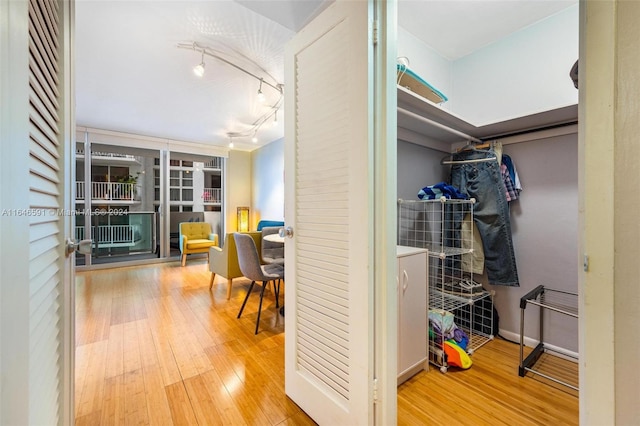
[[261, 97], [272, 111], [205, 50], [199, 69]]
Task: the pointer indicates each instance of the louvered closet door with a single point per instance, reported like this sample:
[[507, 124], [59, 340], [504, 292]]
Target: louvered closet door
[[49, 283], [329, 308]]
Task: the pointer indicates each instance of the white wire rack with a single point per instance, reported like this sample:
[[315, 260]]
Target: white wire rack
[[445, 228]]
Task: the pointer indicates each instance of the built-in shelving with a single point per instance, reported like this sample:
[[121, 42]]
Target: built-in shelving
[[416, 114]]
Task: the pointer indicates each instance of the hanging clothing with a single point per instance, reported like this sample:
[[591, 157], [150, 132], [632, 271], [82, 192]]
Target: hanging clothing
[[475, 262], [483, 181], [509, 186], [497, 149], [513, 173]]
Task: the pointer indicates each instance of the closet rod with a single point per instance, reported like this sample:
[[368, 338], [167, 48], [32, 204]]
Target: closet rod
[[438, 125], [531, 130]]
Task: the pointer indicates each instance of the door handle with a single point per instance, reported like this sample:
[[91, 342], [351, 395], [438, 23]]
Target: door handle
[[286, 232], [82, 246]]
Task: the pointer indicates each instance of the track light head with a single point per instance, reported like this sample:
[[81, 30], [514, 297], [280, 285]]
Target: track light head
[[254, 139], [261, 97], [199, 69]]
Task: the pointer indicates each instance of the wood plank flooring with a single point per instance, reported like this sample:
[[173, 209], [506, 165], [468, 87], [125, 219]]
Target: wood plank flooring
[[155, 346], [489, 393]]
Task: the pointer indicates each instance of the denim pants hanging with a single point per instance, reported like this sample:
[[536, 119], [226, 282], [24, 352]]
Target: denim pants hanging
[[482, 181]]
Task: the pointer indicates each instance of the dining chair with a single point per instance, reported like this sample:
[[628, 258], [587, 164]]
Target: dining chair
[[252, 269]]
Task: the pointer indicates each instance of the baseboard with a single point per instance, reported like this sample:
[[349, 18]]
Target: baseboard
[[413, 370], [532, 343]]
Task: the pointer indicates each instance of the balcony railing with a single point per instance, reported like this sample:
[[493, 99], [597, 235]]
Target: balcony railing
[[106, 154], [109, 235], [108, 191], [215, 163], [212, 196]]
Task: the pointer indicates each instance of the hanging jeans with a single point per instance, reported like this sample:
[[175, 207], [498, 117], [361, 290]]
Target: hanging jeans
[[483, 181]]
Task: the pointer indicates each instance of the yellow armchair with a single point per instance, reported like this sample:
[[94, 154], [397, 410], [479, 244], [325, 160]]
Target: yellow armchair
[[224, 261], [196, 237]]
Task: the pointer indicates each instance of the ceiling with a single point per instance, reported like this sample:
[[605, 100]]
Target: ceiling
[[131, 76], [456, 28]]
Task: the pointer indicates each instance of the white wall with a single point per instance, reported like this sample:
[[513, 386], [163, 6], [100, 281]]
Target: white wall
[[627, 225], [268, 182], [609, 126], [237, 188], [522, 74], [427, 63]]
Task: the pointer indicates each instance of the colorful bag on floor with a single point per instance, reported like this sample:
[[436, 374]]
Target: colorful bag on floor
[[456, 355]]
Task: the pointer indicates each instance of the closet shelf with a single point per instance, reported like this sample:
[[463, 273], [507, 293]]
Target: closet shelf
[[418, 130], [450, 302], [443, 251]]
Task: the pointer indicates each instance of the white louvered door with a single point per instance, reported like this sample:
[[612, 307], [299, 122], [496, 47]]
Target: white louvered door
[[37, 276], [51, 271], [328, 148]]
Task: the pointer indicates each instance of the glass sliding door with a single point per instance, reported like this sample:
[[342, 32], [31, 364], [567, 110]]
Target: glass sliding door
[[114, 203], [130, 200], [195, 194]]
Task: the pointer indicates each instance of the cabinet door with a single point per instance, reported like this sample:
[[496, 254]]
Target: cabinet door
[[412, 318]]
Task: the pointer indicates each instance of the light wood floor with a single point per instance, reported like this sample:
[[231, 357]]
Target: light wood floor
[[155, 346], [491, 392]]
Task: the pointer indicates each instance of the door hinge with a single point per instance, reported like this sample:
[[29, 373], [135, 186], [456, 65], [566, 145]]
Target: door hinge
[[585, 264], [375, 33], [375, 391]]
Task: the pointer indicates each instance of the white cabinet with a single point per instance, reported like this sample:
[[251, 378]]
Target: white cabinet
[[412, 311]]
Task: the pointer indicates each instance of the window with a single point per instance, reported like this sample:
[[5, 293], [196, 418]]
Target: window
[[193, 185]]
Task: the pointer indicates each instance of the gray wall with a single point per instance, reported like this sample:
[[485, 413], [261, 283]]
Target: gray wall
[[544, 226], [545, 235], [418, 167], [544, 220]]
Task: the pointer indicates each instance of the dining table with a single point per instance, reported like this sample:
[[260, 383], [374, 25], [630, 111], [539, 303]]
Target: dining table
[[276, 238]]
